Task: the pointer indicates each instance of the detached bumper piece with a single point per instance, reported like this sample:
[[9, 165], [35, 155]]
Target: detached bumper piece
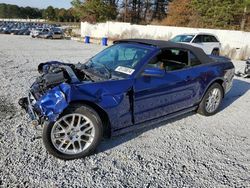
[[246, 73], [27, 103]]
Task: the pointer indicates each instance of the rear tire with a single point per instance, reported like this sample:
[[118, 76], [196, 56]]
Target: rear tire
[[211, 101], [216, 52], [69, 138]]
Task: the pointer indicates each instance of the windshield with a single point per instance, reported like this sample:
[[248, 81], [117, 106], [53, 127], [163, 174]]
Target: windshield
[[182, 38], [118, 60]]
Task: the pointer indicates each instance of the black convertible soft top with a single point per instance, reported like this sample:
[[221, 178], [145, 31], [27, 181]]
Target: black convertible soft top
[[200, 54]]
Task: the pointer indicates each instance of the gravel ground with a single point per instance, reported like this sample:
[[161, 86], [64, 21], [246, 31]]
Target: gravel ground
[[190, 151]]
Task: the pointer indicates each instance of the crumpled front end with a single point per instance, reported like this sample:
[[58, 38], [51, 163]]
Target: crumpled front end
[[52, 104], [48, 107], [45, 98]]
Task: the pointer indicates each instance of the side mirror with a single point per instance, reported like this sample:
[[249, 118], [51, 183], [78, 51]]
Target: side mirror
[[153, 72]]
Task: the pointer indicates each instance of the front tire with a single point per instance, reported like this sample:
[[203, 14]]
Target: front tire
[[76, 133], [211, 101]]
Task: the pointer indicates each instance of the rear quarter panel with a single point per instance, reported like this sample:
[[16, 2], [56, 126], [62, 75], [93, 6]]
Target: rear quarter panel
[[222, 72]]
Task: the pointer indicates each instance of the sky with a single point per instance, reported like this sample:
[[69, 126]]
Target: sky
[[39, 3]]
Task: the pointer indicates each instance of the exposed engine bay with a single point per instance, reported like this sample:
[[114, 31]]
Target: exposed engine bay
[[54, 73]]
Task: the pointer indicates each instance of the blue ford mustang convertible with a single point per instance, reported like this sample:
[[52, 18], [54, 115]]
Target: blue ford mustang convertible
[[126, 86]]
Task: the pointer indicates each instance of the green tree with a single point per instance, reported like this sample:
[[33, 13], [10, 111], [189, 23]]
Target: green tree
[[94, 10], [49, 13], [14, 11], [62, 15], [219, 14], [245, 14], [226, 14], [181, 13], [71, 17], [3, 10]]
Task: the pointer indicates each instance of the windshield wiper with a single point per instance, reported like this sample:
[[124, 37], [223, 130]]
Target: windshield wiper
[[104, 66], [84, 68]]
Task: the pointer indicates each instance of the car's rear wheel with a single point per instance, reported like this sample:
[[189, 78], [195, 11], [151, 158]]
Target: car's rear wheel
[[215, 52], [75, 134], [211, 101]]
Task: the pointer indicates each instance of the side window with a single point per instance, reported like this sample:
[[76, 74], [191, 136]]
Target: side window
[[170, 60], [207, 38], [213, 39], [155, 62], [193, 60], [198, 39]]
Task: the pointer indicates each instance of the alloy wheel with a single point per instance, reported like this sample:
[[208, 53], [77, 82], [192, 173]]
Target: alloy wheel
[[72, 134], [213, 100]]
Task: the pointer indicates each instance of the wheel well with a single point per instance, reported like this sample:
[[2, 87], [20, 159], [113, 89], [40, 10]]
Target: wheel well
[[102, 114], [216, 49]]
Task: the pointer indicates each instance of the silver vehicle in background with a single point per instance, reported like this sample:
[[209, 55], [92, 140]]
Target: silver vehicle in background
[[35, 32], [206, 41], [51, 33]]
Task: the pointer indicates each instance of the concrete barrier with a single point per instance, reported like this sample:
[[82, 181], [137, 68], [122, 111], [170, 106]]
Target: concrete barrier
[[22, 20], [235, 44]]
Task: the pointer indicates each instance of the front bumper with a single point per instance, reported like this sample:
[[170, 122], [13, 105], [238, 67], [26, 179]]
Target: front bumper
[[48, 107]]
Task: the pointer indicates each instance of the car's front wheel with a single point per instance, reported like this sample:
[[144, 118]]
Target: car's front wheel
[[211, 101], [75, 134]]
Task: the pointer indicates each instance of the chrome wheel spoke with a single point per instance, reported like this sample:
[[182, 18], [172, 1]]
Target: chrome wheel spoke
[[60, 138], [86, 134], [60, 132], [67, 146], [72, 121], [62, 143], [84, 124], [86, 141], [62, 128], [67, 123], [80, 144], [79, 121], [87, 129], [74, 147]]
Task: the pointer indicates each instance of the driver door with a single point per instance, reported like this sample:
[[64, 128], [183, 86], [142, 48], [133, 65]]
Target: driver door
[[156, 96]]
